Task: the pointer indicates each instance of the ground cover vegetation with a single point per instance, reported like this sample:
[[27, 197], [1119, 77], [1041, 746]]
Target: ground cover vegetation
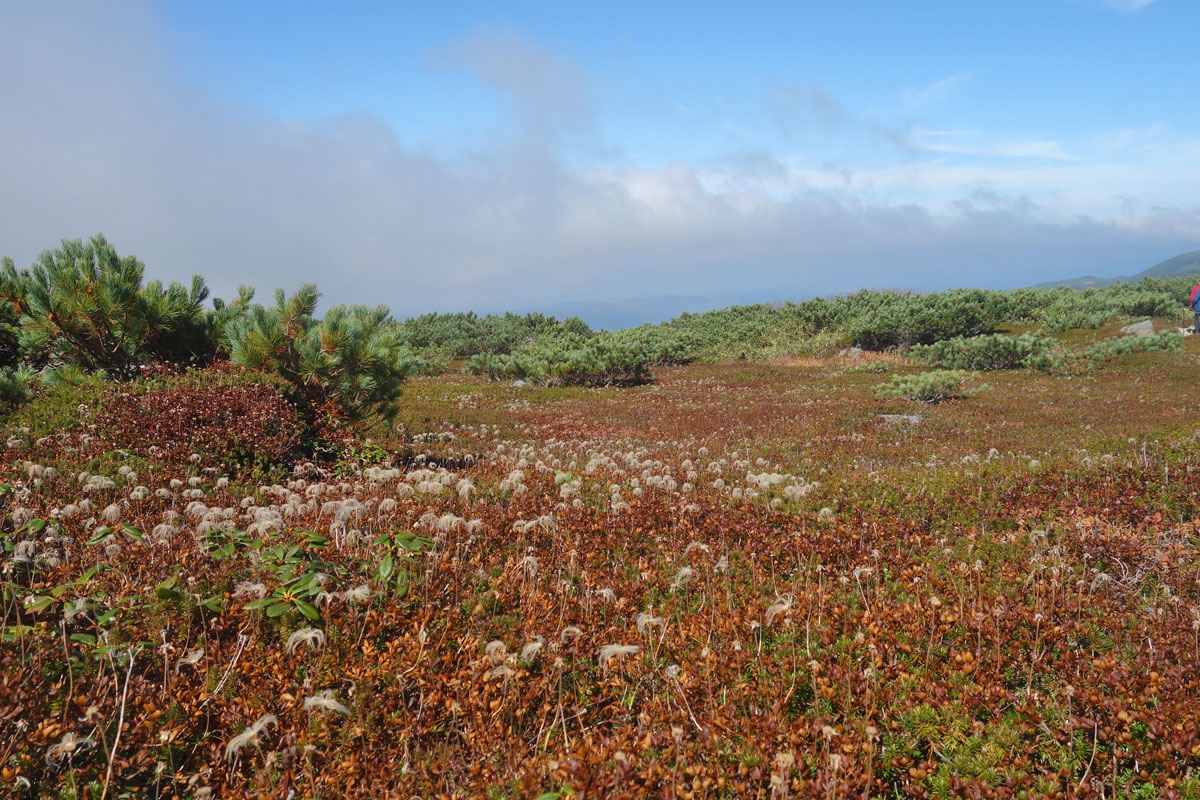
[[731, 578]]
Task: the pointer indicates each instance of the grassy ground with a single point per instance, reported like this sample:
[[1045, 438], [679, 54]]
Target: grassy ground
[[738, 581]]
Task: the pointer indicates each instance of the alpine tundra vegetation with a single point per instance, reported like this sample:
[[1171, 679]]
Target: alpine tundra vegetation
[[767, 551]]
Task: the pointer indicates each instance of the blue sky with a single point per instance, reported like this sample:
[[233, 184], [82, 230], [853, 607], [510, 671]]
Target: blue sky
[[496, 156]]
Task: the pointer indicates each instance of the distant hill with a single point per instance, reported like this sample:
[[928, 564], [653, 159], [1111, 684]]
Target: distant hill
[[1179, 266]]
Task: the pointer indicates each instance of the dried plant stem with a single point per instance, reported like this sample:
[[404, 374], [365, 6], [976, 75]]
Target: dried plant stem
[[70, 673], [112, 755]]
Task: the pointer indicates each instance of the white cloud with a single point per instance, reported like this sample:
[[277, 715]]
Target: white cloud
[[936, 93], [975, 143], [101, 138]]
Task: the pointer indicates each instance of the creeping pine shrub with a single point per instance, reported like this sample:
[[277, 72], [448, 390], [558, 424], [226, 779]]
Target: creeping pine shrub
[[929, 387], [240, 422], [1095, 356], [85, 306], [1107, 349], [1060, 310], [997, 351], [465, 335], [873, 367], [888, 319], [607, 361]]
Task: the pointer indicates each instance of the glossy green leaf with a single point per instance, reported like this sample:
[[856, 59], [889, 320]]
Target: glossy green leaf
[[101, 534], [40, 603], [167, 591], [11, 632], [307, 610]]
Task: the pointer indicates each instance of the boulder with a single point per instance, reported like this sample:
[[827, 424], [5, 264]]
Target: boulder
[[900, 419], [1144, 328], [518, 383], [853, 353]]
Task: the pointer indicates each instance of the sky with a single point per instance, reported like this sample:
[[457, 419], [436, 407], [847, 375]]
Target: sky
[[496, 156]]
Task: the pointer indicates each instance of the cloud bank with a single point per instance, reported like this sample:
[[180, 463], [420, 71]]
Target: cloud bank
[[100, 135]]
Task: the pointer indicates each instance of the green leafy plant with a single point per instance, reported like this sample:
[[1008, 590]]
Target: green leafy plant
[[398, 547]]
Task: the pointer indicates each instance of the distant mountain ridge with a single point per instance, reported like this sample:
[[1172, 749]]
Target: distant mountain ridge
[[1179, 266]]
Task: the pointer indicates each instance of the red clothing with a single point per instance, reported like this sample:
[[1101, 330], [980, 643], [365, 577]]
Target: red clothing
[[1192, 297]]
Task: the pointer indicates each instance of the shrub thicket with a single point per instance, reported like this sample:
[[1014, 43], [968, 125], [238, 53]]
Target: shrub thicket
[[236, 421], [884, 320], [993, 352], [1067, 361], [607, 361], [466, 335], [83, 310]]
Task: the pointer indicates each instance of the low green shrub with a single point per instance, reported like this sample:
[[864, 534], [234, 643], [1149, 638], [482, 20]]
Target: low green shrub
[[463, 335], [57, 407], [873, 367], [993, 352], [892, 319], [1064, 361], [1107, 349], [931, 387], [606, 361]]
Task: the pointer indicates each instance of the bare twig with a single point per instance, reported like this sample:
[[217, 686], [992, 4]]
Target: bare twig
[[112, 755]]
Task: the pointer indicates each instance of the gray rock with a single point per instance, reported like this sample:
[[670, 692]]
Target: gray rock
[[851, 352], [1144, 328], [900, 419], [518, 383]]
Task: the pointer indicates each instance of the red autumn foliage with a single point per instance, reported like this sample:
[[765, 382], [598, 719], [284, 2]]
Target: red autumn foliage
[[964, 623], [231, 424]]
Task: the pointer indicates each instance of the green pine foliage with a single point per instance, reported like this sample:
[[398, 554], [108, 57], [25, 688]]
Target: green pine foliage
[[466, 335], [352, 357], [572, 361], [1074, 361], [879, 320], [993, 352], [84, 306], [931, 387], [17, 385]]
